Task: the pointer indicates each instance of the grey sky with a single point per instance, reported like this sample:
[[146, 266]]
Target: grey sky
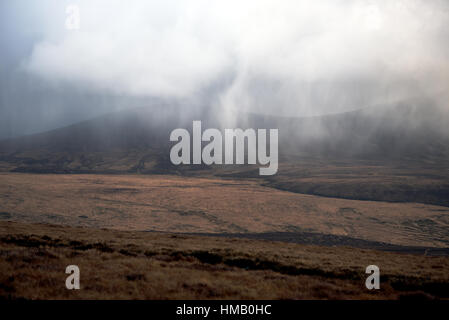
[[282, 57]]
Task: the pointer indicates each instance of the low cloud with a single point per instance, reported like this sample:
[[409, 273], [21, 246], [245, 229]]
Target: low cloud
[[289, 57]]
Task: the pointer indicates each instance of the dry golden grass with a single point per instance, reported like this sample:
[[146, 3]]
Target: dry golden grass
[[143, 265], [211, 205]]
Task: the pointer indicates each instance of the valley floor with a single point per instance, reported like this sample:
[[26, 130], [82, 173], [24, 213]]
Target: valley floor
[[183, 204], [178, 237]]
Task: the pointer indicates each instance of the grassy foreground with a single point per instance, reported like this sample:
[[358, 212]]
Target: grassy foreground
[[149, 265]]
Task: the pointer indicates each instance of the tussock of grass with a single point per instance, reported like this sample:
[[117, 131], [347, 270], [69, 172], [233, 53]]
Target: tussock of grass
[[139, 265]]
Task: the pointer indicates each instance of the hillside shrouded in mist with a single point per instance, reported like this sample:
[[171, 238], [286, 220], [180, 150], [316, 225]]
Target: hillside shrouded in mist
[[289, 58], [357, 89]]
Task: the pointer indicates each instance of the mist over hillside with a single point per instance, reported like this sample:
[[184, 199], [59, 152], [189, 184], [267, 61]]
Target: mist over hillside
[[389, 153], [285, 58], [385, 132]]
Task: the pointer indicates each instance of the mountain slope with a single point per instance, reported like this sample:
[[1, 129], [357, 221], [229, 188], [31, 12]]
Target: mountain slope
[[392, 153]]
